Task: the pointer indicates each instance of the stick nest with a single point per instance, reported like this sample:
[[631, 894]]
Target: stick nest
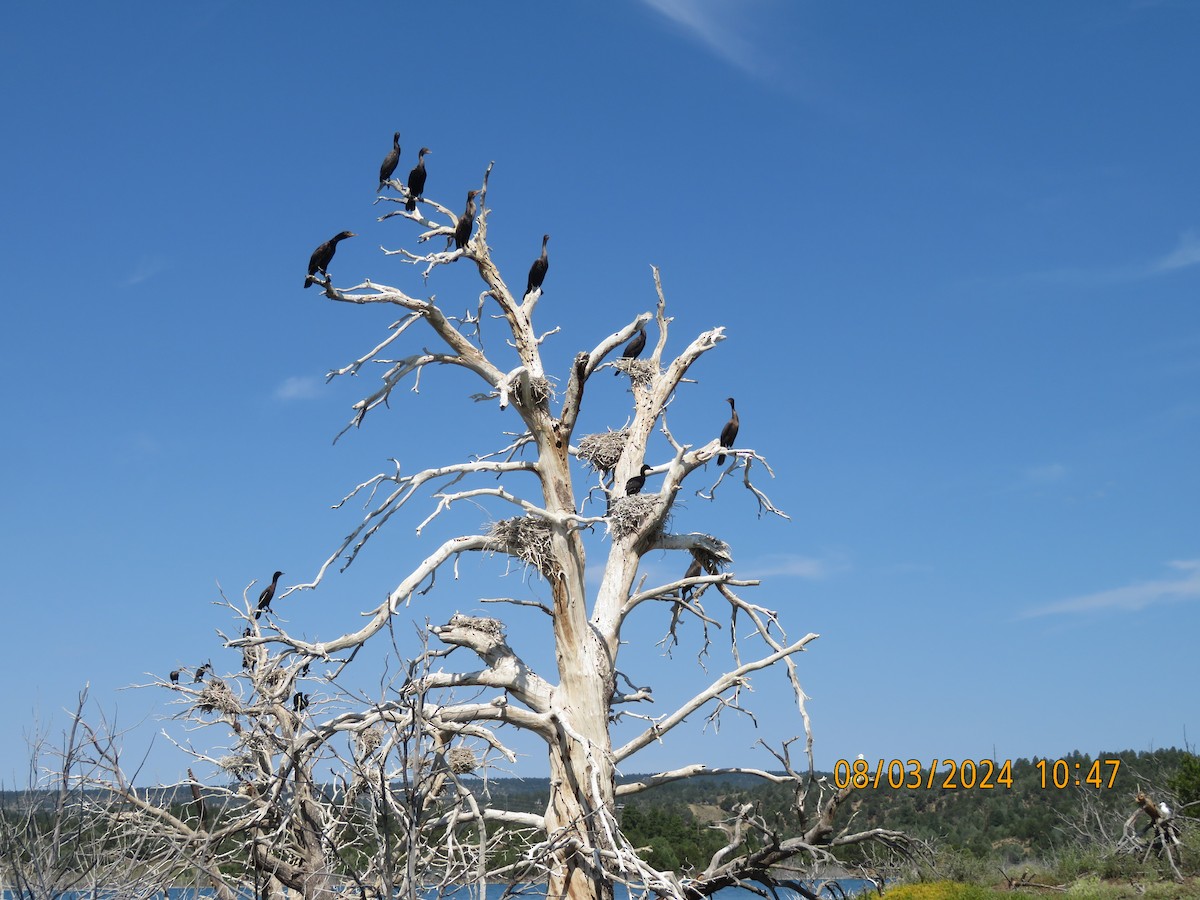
[[528, 539], [628, 513], [540, 390], [603, 451], [217, 697], [368, 741], [641, 372], [461, 760]]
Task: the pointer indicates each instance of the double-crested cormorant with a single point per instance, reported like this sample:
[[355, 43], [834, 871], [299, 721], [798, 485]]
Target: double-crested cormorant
[[299, 701], [388, 166], [692, 571], [537, 272], [729, 432], [416, 181], [174, 676], [636, 344], [207, 667], [635, 484], [321, 257], [265, 598], [462, 231]]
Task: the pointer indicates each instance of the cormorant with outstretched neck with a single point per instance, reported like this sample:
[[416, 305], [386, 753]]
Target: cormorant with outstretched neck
[[265, 598], [416, 181], [207, 667], [635, 484], [537, 272], [388, 166], [636, 344], [323, 255], [729, 432], [462, 231]]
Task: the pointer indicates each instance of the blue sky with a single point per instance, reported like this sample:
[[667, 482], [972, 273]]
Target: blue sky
[[955, 249]]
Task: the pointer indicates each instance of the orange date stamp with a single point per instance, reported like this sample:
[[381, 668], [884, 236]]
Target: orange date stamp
[[970, 774]]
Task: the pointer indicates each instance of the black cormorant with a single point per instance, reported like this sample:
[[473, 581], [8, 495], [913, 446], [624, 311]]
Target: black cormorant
[[729, 432], [416, 181], [537, 272], [388, 166], [207, 667], [321, 257], [174, 676], [634, 485], [462, 231], [636, 344], [692, 571], [265, 598], [299, 701]]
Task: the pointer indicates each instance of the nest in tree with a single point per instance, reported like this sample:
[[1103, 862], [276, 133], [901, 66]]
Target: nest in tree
[[627, 514], [368, 741], [237, 765], [603, 451], [540, 390], [528, 539], [640, 371], [461, 760], [217, 697], [486, 624]]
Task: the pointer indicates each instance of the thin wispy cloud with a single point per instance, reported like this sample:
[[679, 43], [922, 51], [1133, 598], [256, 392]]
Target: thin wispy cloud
[[299, 387], [793, 566], [145, 269], [716, 24], [1135, 597], [1185, 255], [1044, 474]]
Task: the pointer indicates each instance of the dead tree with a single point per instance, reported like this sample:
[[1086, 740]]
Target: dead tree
[[402, 812], [1159, 836]]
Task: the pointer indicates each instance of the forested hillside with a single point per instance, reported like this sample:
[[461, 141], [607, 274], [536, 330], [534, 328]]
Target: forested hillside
[[1026, 820]]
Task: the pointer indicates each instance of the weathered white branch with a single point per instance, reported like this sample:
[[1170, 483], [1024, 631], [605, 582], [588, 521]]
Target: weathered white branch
[[709, 694]]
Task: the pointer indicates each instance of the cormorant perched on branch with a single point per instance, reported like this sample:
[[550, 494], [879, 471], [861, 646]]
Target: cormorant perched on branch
[[197, 797], [537, 272], [265, 598], [636, 344], [635, 484], [174, 676], [388, 166], [321, 257], [729, 432], [416, 181], [692, 571], [207, 667], [462, 231], [299, 701]]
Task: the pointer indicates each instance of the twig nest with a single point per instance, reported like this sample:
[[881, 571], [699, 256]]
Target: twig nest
[[217, 697], [238, 764], [603, 451], [528, 539], [461, 760], [628, 513], [486, 624], [367, 742], [540, 390], [640, 371]]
